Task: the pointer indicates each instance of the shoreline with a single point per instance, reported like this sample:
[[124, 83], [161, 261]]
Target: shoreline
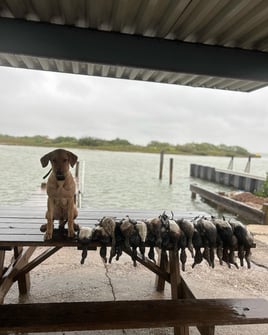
[[132, 148]]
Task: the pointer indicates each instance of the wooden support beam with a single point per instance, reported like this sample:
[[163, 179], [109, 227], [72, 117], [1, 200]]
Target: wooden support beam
[[36, 261], [22, 278], [188, 294], [176, 286], [152, 267], [163, 264], [21, 37], [2, 259], [78, 316], [19, 261]]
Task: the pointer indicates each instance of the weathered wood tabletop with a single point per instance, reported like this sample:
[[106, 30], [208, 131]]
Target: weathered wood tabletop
[[20, 234]]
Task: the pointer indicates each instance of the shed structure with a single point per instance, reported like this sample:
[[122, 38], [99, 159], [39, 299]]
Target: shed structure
[[218, 44]]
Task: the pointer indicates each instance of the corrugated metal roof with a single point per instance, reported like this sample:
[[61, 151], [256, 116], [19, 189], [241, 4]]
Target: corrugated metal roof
[[227, 23]]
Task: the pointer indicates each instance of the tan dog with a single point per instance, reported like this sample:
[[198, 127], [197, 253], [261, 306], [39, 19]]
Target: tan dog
[[60, 191]]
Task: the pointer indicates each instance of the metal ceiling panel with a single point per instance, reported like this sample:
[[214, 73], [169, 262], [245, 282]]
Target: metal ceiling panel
[[239, 24]]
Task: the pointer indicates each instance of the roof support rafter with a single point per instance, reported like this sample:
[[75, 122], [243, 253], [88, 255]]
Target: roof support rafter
[[20, 37]]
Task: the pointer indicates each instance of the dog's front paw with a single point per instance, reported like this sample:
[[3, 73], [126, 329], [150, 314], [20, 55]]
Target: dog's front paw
[[48, 236], [76, 227], [71, 233]]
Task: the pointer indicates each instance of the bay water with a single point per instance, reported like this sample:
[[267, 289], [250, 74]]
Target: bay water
[[118, 179]]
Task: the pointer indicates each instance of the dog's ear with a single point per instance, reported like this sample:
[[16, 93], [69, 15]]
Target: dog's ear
[[72, 158], [45, 159]]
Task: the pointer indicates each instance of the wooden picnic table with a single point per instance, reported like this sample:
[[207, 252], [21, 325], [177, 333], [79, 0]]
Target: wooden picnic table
[[20, 234]]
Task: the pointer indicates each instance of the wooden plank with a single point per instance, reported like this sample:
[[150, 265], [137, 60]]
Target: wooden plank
[[20, 231], [21, 225], [22, 278], [2, 261], [163, 264], [38, 241], [36, 261], [152, 267], [176, 287], [7, 223], [78, 316], [20, 211], [16, 265], [188, 294]]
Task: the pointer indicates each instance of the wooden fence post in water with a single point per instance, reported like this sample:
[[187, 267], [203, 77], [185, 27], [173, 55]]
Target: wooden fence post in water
[[170, 171], [231, 163], [247, 168], [265, 210], [77, 199], [161, 164], [77, 170]]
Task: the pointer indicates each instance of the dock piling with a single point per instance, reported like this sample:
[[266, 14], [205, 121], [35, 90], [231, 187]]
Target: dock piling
[[247, 168], [161, 165], [77, 169], [265, 210], [170, 171], [231, 163]]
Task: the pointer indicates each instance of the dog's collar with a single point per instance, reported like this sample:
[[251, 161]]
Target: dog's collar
[[47, 174]]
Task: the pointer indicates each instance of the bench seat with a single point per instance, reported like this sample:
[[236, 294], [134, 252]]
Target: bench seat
[[78, 316]]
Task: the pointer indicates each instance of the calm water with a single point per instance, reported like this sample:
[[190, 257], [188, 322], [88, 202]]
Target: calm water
[[116, 179]]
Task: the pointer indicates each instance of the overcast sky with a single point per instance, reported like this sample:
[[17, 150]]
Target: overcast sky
[[55, 104]]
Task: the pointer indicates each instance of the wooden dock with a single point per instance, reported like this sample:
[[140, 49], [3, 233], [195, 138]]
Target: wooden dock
[[238, 180]]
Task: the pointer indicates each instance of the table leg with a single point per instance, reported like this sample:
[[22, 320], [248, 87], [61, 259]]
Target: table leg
[[2, 259], [176, 286], [21, 257], [160, 281], [24, 279]]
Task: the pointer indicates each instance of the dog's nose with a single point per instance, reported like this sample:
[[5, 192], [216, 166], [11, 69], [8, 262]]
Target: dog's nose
[[60, 175]]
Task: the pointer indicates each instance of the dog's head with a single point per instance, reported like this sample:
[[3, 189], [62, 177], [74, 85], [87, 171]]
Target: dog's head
[[60, 160]]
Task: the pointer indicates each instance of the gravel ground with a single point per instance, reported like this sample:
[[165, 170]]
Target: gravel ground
[[248, 198], [63, 278]]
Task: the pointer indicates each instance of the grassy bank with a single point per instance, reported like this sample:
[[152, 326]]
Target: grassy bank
[[205, 149]]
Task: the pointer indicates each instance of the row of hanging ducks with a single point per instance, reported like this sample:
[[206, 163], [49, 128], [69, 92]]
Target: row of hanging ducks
[[202, 236]]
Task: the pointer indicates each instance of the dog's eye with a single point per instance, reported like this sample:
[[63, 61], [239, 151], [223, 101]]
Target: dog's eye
[[65, 160]]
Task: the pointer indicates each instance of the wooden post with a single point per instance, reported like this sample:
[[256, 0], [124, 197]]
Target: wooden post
[[77, 199], [176, 286], [247, 168], [20, 260], [2, 260], [193, 196], [180, 290], [265, 210], [23, 280], [170, 171], [231, 163], [77, 170], [161, 165], [163, 264]]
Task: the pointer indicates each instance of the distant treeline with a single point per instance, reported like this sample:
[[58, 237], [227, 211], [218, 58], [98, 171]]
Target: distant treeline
[[124, 145]]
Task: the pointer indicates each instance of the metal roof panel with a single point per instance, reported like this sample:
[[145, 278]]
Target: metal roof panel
[[226, 23]]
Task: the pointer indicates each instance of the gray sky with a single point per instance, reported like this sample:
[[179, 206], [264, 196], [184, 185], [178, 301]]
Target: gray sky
[[55, 104]]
